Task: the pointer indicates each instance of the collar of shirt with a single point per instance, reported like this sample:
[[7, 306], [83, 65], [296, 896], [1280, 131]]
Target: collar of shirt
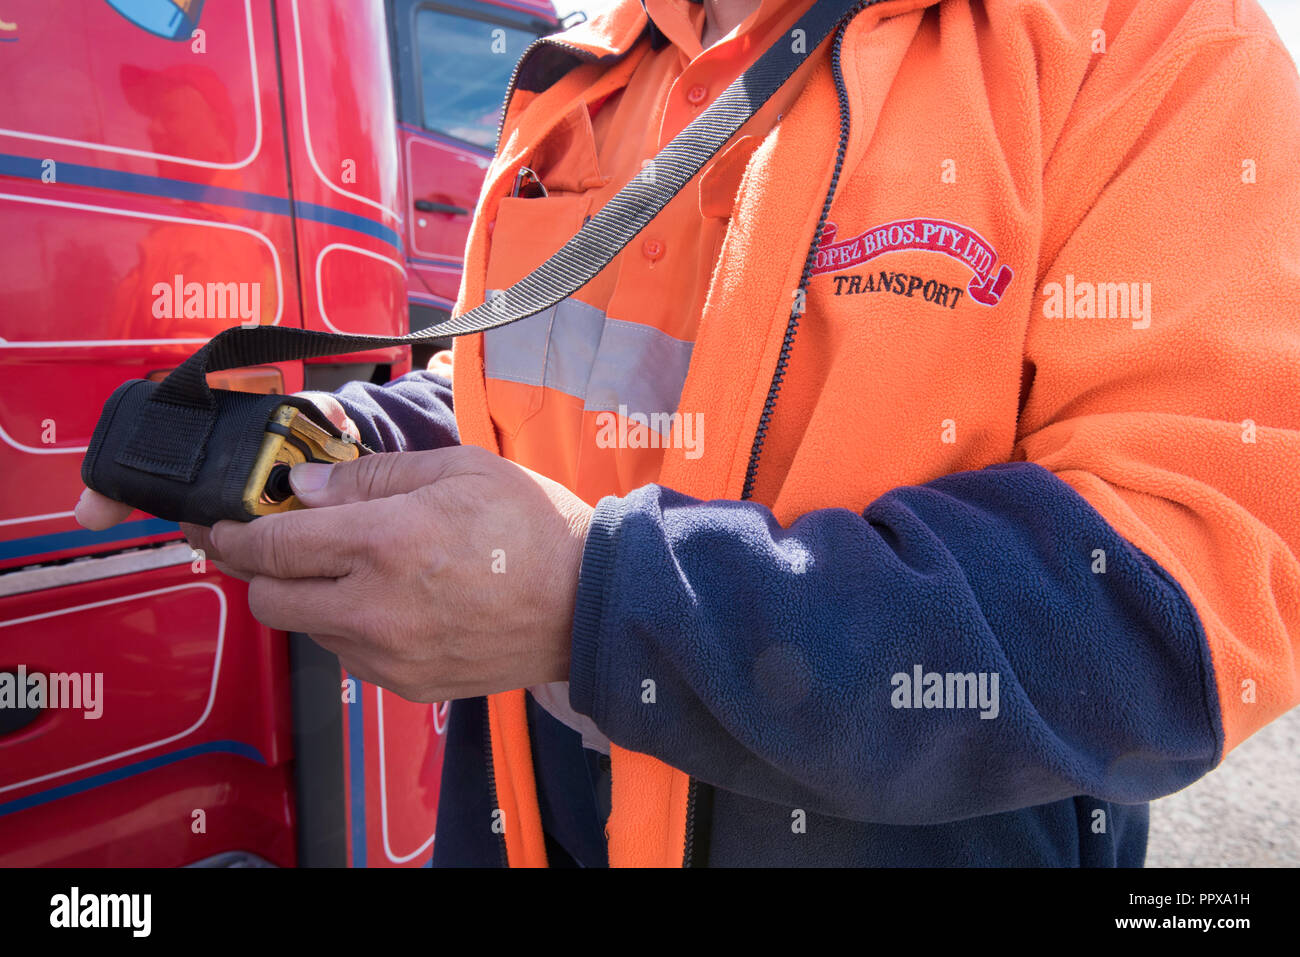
[[682, 23], [703, 74]]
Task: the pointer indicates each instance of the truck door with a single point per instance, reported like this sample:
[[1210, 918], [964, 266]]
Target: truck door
[[453, 63]]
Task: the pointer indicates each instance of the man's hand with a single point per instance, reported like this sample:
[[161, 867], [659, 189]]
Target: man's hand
[[437, 575]]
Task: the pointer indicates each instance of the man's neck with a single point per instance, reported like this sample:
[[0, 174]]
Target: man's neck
[[723, 16]]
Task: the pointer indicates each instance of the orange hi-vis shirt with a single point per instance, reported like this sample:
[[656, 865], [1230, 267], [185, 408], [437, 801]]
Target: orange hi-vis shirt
[[1060, 245], [585, 391]]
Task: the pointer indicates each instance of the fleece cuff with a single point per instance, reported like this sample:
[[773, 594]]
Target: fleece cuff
[[593, 583]]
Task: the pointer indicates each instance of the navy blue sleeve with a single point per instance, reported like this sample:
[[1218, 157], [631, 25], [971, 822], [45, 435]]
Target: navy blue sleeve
[[956, 650], [411, 413]]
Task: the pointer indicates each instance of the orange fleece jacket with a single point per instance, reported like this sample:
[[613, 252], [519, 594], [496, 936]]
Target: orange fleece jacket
[[1085, 143]]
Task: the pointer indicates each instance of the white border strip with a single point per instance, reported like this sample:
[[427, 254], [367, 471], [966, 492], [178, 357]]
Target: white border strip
[[93, 568], [306, 129], [439, 728], [34, 518], [8, 439], [320, 290]]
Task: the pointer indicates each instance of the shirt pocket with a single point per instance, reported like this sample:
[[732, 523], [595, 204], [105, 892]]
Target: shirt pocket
[[525, 233]]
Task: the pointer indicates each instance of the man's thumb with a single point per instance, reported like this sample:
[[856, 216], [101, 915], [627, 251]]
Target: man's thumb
[[367, 477]]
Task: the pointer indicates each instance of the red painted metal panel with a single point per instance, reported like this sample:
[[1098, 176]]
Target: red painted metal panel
[[395, 802], [187, 681]]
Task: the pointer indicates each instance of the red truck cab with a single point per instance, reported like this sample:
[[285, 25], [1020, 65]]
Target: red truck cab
[[169, 168]]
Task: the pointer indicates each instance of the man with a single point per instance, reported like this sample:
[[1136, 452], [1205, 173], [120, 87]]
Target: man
[[943, 437]]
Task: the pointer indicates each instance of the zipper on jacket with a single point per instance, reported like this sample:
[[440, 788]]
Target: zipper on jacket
[[691, 857], [578, 52], [586, 57], [792, 326], [492, 782], [692, 793]]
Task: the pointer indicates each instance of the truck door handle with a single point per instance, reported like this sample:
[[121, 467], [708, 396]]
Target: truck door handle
[[429, 206]]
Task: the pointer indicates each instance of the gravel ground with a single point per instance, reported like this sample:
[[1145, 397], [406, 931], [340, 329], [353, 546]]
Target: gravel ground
[[1246, 813]]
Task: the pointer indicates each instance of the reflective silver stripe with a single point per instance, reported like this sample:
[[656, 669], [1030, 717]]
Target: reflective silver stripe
[[519, 352], [576, 349]]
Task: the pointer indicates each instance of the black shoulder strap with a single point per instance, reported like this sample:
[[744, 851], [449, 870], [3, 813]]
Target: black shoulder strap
[[183, 406]]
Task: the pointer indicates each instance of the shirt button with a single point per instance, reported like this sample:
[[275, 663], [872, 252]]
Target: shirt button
[[697, 94], [653, 250]]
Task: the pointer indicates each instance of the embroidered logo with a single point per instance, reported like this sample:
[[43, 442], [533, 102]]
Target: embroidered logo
[[927, 235]]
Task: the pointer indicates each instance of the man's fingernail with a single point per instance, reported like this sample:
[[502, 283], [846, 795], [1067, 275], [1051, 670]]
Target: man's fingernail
[[309, 477], [212, 537], [79, 510]]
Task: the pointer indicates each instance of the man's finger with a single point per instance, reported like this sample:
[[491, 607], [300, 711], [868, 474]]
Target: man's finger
[[311, 605], [374, 476], [334, 411], [98, 512], [200, 539], [316, 543], [440, 362], [232, 572]]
